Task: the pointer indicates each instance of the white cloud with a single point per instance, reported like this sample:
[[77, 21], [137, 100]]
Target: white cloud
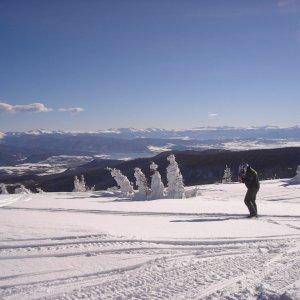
[[214, 115], [5, 107], [71, 110], [31, 107]]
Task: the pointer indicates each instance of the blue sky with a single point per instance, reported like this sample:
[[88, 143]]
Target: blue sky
[[161, 63]]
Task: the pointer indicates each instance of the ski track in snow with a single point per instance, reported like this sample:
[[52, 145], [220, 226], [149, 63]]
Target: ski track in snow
[[254, 267], [235, 269], [10, 199]]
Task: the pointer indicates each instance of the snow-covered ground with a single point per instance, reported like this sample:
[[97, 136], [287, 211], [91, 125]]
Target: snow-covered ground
[[52, 165], [76, 245], [257, 144]]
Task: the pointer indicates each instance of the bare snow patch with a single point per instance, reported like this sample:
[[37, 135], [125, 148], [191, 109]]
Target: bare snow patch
[[159, 149]]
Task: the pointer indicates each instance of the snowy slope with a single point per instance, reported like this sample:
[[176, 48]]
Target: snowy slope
[[76, 245]]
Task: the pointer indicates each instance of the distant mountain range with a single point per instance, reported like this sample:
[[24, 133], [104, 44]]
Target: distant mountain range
[[127, 143], [199, 133]]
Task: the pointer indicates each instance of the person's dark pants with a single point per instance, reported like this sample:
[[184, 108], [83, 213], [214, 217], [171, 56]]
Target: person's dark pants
[[250, 201]]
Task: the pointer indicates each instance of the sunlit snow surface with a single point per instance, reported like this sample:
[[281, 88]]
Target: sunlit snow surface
[[76, 245]]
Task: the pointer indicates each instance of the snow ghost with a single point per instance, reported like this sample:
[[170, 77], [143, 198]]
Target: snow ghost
[[3, 189], [175, 181], [141, 182], [227, 175], [76, 184], [82, 184], [22, 190], [39, 190], [296, 179], [157, 187], [126, 187], [79, 185]]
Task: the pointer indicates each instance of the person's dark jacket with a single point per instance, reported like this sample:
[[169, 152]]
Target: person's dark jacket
[[251, 179]]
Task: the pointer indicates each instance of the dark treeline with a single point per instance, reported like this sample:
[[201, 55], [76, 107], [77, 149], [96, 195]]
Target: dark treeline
[[197, 167]]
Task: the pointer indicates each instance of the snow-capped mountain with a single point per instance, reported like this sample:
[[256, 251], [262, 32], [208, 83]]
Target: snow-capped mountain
[[200, 133]]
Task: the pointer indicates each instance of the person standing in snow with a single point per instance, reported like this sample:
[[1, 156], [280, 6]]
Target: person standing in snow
[[249, 176]]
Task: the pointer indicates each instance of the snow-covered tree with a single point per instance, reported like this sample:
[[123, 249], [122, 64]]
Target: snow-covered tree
[[126, 187], [141, 182], [79, 185], [175, 180], [296, 179], [3, 189], [227, 175], [193, 192], [76, 184], [90, 189], [39, 190], [22, 190], [157, 187], [83, 184]]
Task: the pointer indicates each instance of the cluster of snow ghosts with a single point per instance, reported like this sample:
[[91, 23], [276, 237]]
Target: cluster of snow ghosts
[[80, 185], [22, 190], [18, 190], [227, 175], [175, 188]]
